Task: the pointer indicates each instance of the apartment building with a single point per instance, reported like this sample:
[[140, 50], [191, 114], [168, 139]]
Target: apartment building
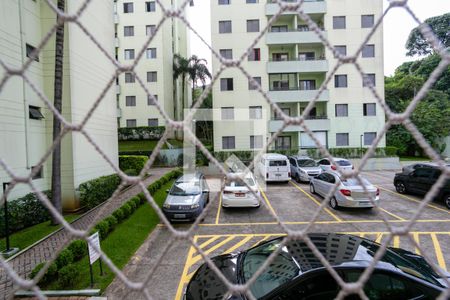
[[25, 120], [290, 63], [136, 21]]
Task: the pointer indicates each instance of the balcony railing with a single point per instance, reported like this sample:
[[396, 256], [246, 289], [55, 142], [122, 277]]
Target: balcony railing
[[290, 88], [301, 29], [320, 58], [321, 117], [290, 1]]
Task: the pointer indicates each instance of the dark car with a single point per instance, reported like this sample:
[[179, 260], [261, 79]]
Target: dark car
[[296, 273], [420, 180]]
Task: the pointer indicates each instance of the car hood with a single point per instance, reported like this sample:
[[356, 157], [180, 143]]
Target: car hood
[[205, 283], [182, 200], [311, 169]]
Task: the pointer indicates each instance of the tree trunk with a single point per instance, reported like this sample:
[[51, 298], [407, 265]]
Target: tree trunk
[[193, 91], [58, 90], [183, 83]]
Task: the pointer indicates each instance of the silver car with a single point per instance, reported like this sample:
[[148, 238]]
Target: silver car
[[187, 198], [304, 168], [349, 192]]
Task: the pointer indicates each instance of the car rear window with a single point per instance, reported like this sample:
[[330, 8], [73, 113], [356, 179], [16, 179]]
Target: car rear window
[[306, 163], [343, 163], [277, 163], [355, 182]]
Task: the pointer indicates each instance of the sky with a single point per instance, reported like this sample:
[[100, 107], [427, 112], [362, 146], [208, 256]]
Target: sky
[[397, 26]]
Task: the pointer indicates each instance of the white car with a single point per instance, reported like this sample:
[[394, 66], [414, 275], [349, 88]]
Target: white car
[[326, 165], [237, 194], [274, 167]]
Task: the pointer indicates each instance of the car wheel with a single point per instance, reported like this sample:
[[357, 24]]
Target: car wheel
[[333, 203], [297, 178], [447, 200], [400, 187], [311, 188]]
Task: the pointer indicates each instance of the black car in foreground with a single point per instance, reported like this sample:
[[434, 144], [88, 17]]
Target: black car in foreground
[[296, 273], [420, 180]]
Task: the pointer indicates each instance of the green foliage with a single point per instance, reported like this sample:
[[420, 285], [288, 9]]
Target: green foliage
[[24, 212], [49, 275], [67, 275], [141, 133], [78, 249], [118, 213], [36, 270], [127, 162], [131, 172], [350, 152], [136, 200], [96, 191], [418, 45], [142, 198], [127, 210], [64, 258], [112, 222], [103, 229]]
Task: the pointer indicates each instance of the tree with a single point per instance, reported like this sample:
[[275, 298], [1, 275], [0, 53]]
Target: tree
[[57, 103], [198, 71], [418, 45], [181, 69]]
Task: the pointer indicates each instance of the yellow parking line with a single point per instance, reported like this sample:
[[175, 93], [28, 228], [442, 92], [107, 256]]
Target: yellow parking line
[[438, 250], [260, 241], [206, 243], [184, 278], [379, 237], [391, 214], [416, 239], [218, 209], [242, 242], [317, 202], [396, 243], [196, 258], [268, 202], [414, 200]]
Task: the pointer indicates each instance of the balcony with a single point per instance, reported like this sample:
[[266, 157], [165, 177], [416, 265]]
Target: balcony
[[309, 7], [313, 123], [297, 66], [294, 94], [293, 36]]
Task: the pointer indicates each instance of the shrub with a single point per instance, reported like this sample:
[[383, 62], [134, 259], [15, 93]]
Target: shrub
[[118, 213], [112, 222], [131, 172], [136, 200], [64, 258], [141, 133], [96, 191], [132, 204], [67, 275], [134, 162], [391, 151], [78, 249], [103, 229], [49, 275], [136, 152], [127, 210], [36, 270], [142, 198]]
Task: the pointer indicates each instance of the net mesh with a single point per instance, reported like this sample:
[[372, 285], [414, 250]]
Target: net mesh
[[21, 282]]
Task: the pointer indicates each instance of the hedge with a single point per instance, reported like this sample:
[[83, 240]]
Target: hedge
[[96, 191], [24, 212], [141, 133], [132, 162]]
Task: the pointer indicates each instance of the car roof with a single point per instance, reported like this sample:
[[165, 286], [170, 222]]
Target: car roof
[[300, 157], [189, 177], [274, 156], [243, 174]]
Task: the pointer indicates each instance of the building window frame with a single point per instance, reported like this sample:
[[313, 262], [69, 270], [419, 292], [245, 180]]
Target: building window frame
[[339, 22], [369, 109], [342, 139], [131, 123], [130, 101], [253, 25], [152, 76], [228, 142], [341, 110], [226, 84], [225, 26]]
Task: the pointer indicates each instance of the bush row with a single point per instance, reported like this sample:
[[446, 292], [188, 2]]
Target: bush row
[[132, 162], [141, 133], [98, 190], [63, 269]]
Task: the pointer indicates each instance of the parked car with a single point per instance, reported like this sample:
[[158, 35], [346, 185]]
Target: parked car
[[274, 167], [296, 273], [420, 181], [187, 198], [304, 168], [237, 194], [350, 193], [326, 164], [412, 167]]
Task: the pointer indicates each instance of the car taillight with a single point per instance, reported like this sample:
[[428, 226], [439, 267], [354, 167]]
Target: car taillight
[[378, 191], [227, 192], [346, 192], [333, 167]]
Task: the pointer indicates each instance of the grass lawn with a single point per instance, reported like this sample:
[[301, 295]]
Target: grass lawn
[[28, 236], [119, 245], [414, 158]]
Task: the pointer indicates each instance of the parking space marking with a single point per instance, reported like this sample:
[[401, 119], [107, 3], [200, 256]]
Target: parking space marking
[[438, 250], [267, 201], [391, 214], [218, 209], [412, 199], [416, 239], [317, 202], [184, 279]]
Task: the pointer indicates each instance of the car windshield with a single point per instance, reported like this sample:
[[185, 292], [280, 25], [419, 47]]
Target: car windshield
[[240, 183], [277, 163], [306, 163], [355, 182], [282, 269], [343, 163], [185, 188]]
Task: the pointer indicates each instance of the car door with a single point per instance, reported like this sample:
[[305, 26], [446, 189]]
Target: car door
[[319, 183], [324, 164], [328, 183], [421, 180], [294, 169]]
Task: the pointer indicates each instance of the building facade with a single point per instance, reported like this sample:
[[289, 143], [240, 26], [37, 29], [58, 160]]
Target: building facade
[[290, 62], [25, 120], [136, 22]]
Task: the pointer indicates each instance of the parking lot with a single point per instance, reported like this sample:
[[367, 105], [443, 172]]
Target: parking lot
[[230, 230]]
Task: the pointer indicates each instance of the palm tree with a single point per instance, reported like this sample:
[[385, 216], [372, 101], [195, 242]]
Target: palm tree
[[181, 68], [198, 71], [57, 102]]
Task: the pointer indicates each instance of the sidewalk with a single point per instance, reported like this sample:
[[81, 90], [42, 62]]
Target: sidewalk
[[24, 263]]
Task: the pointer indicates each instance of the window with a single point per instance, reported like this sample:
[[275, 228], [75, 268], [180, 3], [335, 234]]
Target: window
[[224, 26], [341, 139], [130, 101], [252, 1], [228, 142], [151, 53], [340, 81], [307, 142], [283, 143], [226, 53], [128, 7], [256, 141], [252, 25], [369, 137], [226, 84], [302, 27], [255, 54], [34, 113], [39, 173], [150, 6], [369, 109], [369, 79], [129, 54], [367, 21], [285, 110], [129, 77], [368, 51], [339, 22], [131, 123], [227, 113], [31, 52], [150, 100], [341, 110], [152, 122], [224, 2], [128, 30], [252, 86], [306, 56], [255, 112], [152, 76], [307, 85], [279, 28], [423, 172], [150, 29], [342, 50], [280, 56]]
